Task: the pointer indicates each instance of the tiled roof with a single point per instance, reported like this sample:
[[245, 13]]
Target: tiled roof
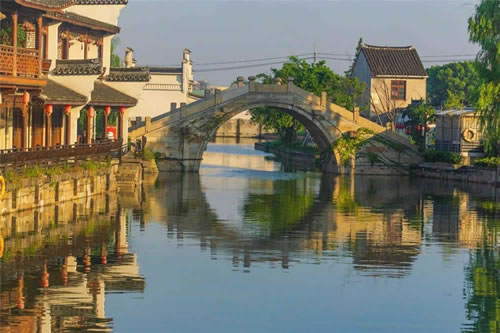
[[176, 70], [129, 74], [78, 67], [393, 61], [48, 4], [57, 93], [84, 21], [60, 4], [102, 2], [105, 95]]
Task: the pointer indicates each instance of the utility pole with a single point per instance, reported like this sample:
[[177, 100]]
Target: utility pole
[[314, 53]]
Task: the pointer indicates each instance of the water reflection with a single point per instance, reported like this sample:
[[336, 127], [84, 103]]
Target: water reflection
[[58, 264], [241, 227]]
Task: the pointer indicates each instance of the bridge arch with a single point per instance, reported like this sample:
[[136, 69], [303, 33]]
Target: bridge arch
[[322, 136]]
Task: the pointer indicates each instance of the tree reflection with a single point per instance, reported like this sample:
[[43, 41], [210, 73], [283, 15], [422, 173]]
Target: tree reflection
[[280, 210], [482, 283]]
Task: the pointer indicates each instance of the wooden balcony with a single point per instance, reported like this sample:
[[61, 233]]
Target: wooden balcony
[[19, 157], [20, 66]]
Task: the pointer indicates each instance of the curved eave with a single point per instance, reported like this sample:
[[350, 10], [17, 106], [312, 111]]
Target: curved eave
[[40, 7], [63, 18]]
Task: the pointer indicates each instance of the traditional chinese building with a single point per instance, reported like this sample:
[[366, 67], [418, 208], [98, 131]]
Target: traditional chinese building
[[394, 76], [54, 55]]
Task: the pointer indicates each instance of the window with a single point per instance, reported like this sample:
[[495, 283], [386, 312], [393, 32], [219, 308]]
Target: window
[[398, 89]]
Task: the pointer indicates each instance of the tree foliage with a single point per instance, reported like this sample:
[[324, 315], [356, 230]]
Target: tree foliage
[[453, 85], [115, 59], [484, 30], [314, 78]]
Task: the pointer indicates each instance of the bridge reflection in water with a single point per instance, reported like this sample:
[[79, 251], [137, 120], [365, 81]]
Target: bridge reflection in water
[[59, 265]]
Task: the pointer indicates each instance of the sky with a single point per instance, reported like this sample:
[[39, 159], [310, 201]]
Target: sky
[[224, 31]]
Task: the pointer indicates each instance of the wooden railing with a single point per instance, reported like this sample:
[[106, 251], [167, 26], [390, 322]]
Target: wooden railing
[[60, 153], [28, 62]]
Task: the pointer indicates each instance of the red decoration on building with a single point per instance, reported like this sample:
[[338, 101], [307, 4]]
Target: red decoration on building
[[107, 110], [67, 109], [48, 109], [90, 111], [122, 110], [26, 98]]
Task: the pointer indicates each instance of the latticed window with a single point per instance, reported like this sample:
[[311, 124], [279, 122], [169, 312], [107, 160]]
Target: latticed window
[[398, 89]]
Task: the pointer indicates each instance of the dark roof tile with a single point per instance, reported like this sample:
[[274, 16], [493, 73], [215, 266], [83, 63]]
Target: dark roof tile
[[105, 95], [78, 67], [176, 70], [84, 21], [134, 74], [57, 93], [393, 61]]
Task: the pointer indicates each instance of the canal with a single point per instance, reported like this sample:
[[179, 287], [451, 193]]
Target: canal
[[247, 247]]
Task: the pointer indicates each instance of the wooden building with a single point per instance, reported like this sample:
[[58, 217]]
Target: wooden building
[[54, 55]]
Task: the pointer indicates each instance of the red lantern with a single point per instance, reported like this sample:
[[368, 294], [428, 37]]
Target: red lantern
[[67, 109], [90, 111], [26, 98], [122, 110], [48, 109], [107, 110]]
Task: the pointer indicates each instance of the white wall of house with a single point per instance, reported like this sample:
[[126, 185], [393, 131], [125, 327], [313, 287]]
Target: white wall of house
[[103, 13], [53, 37], [415, 89], [106, 52]]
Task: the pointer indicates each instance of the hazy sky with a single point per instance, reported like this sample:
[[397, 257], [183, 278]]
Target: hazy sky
[[223, 30]]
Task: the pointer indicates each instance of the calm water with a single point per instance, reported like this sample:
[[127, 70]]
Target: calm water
[[245, 247]]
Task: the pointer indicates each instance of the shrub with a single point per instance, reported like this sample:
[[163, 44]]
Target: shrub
[[488, 162], [442, 156], [148, 155]]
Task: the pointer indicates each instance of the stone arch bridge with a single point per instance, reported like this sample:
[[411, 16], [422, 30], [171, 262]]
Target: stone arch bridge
[[182, 135]]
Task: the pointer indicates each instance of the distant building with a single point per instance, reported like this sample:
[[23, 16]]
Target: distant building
[[458, 131], [158, 89], [394, 76]]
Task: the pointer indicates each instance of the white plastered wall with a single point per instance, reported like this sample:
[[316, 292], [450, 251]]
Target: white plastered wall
[[104, 13], [53, 37]]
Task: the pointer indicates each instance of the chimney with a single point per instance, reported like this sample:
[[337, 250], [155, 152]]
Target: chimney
[[129, 58], [187, 55]]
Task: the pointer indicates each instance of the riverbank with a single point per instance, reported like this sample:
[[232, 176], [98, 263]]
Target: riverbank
[[306, 159], [36, 187], [447, 171]]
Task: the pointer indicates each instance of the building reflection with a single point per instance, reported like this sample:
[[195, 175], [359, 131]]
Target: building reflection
[[282, 222], [58, 264]]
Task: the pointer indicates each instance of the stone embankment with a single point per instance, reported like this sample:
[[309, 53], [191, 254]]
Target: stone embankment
[[460, 173], [25, 192]]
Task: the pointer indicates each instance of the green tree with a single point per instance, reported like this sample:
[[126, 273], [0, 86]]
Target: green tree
[[115, 59], [420, 114], [453, 85], [484, 30], [314, 78]]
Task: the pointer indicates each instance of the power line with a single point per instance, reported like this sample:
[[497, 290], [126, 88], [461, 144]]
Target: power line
[[448, 55], [249, 60], [204, 70]]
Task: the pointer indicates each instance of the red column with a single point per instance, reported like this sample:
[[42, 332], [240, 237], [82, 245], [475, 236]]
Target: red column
[[67, 111], [24, 139], [48, 129]]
